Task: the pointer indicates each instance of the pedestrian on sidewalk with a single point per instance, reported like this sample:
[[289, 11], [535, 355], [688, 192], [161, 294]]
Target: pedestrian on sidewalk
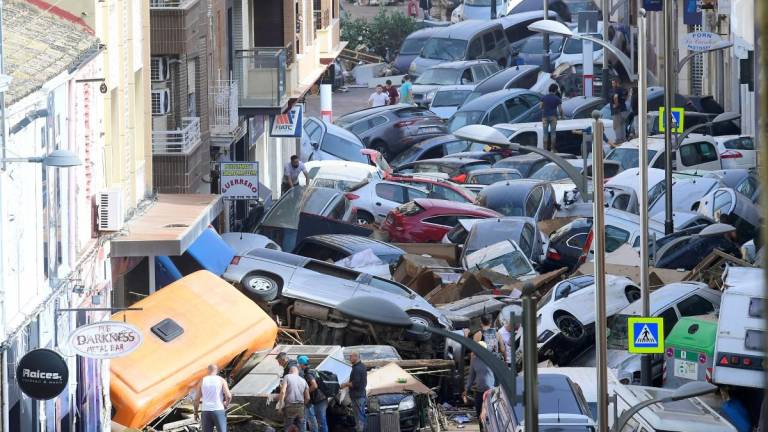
[[480, 378], [379, 97], [618, 110], [291, 172], [551, 108], [392, 93], [317, 399], [294, 396], [406, 91], [358, 380], [489, 336], [425, 6], [214, 393]]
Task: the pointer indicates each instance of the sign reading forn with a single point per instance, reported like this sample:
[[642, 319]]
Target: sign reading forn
[[105, 340], [239, 180], [42, 374], [701, 41]]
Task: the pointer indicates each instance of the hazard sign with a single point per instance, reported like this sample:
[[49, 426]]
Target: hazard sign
[[645, 335]]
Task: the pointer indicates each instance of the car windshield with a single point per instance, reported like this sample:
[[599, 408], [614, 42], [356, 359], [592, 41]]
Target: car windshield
[[285, 213], [490, 178], [617, 334], [408, 155], [487, 234], [512, 264], [549, 172], [438, 76], [343, 149], [628, 157], [575, 46], [464, 118], [444, 49], [450, 98], [412, 45]]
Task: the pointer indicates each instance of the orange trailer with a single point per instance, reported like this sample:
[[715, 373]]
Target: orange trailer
[[187, 325]]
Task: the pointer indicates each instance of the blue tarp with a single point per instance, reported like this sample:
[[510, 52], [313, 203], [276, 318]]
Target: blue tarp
[[208, 252]]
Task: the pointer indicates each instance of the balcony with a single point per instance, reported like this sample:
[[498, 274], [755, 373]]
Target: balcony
[[224, 121], [261, 77], [177, 142], [170, 4], [328, 38]]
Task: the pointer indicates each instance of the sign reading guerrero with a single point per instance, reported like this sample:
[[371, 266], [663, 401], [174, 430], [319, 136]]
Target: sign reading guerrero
[[42, 374], [239, 180], [104, 340]]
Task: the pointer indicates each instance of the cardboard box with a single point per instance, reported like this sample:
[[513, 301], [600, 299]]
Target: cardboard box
[[448, 252]]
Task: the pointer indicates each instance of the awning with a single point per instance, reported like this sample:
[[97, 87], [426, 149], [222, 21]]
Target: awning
[[170, 225]]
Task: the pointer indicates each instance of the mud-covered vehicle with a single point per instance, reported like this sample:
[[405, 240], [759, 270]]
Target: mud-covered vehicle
[[303, 293]]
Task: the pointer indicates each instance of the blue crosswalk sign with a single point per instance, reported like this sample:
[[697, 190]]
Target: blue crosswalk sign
[[678, 119], [646, 335]]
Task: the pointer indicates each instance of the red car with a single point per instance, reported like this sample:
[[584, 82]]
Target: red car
[[427, 220], [436, 188]]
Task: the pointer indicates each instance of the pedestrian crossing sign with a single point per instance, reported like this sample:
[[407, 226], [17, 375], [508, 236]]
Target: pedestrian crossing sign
[[678, 118], [645, 335]]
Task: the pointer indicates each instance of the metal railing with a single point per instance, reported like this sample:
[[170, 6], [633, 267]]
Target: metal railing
[[224, 100], [261, 77], [177, 142], [169, 4]]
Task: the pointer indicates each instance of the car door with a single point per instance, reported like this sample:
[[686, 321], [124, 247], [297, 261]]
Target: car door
[[533, 202], [388, 195], [496, 115], [516, 107]]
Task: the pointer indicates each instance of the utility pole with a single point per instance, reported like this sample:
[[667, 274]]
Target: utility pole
[[601, 319], [547, 66], [606, 7], [668, 102], [530, 360]]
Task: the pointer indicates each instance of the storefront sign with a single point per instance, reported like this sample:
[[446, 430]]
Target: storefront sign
[[692, 12], [653, 5], [239, 180], [42, 374], [701, 41], [105, 340], [288, 124]]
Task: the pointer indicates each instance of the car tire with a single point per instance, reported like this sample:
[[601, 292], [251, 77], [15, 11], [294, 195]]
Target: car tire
[[260, 286], [571, 328], [633, 294], [421, 318], [364, 218]]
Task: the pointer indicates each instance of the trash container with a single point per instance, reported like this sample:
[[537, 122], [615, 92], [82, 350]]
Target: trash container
[[689, 351]]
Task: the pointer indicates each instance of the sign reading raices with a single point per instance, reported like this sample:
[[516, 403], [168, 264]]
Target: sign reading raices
[[239, 180], [104, 340], [42, 374]]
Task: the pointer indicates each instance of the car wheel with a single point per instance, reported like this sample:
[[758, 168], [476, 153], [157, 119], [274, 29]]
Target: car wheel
[[364, 218], [260, 287], [633, 294], [570, 327], [422, 319]]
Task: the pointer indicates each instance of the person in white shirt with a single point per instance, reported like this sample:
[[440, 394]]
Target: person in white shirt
[[214, 393], [291, 172], [378, 98]]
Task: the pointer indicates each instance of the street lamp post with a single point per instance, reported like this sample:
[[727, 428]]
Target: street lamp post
[[668, 100], [686, 391]]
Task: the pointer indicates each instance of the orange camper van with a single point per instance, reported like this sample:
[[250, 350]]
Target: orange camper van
[[187, 325]]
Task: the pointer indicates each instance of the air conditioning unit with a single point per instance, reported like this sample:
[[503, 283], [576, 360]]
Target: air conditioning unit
[[159, 70], [111, 212], [161, 102]]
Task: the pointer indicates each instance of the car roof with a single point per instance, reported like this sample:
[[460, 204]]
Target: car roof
[[455, 161], [438, 140], [573, 103], [517, 18], [630, 178], [729, 177], [570, 124], [513, 189], [338, 130], [458, 64], [663, 297], [363, 113], [354, 243], [427, 203], [426, 32], [488, 100], [500, 79], [656, 142], [464, 30]]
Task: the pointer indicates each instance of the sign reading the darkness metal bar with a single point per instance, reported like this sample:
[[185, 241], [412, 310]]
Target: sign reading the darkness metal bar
[[239, 180], [653, 5]]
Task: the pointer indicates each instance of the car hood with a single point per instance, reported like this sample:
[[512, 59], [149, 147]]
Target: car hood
[[444, 112], [420, 64], [425, 88]]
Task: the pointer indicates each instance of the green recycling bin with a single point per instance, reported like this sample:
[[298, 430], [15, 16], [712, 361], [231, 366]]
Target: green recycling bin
[[689, 351]]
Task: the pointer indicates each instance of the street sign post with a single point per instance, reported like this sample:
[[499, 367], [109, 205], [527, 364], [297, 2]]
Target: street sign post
[[678, 119], [645, 335]]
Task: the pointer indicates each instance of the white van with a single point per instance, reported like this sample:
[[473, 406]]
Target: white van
[[739, 349], [681, 416], [569, 134], [697, 152]]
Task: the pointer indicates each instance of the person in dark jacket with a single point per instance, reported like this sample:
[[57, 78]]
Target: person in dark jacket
[[425, 6], [358, 380]]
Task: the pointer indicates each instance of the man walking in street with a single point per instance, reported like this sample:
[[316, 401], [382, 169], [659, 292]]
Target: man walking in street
[[214, 393], [489, 336], [406, 91], [481, 378], [618, 110], [291, 172], [507, 341], [391, 93], [551, 109], [318, 400], [379, 97], [294, 396], [358, 380]]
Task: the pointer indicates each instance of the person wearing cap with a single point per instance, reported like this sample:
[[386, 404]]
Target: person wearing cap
[[480, 377], [318, 401]]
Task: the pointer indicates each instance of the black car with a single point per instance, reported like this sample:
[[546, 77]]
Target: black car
[[456, 169], [435, 148], [581, 107], [566, 245], [530, 198], [523, 76], [688, 251], [339, 246], [527, 164]]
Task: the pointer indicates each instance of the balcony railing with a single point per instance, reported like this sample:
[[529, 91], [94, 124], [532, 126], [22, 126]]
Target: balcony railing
[[224, 100], [261, 77], [169, 4], [177, 142]]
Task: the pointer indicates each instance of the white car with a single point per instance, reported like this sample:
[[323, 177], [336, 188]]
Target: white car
[[243, 242], [447, 99], [373, 199], [504, 257], [339, 174], [737, 151], [695, 152], [622, 191], [565, 317], [573, 50]]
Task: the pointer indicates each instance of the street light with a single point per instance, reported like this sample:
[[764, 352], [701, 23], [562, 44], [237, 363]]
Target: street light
[[686, 391], [723, 44], [558, 28], [54, 159], [376, 310]]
